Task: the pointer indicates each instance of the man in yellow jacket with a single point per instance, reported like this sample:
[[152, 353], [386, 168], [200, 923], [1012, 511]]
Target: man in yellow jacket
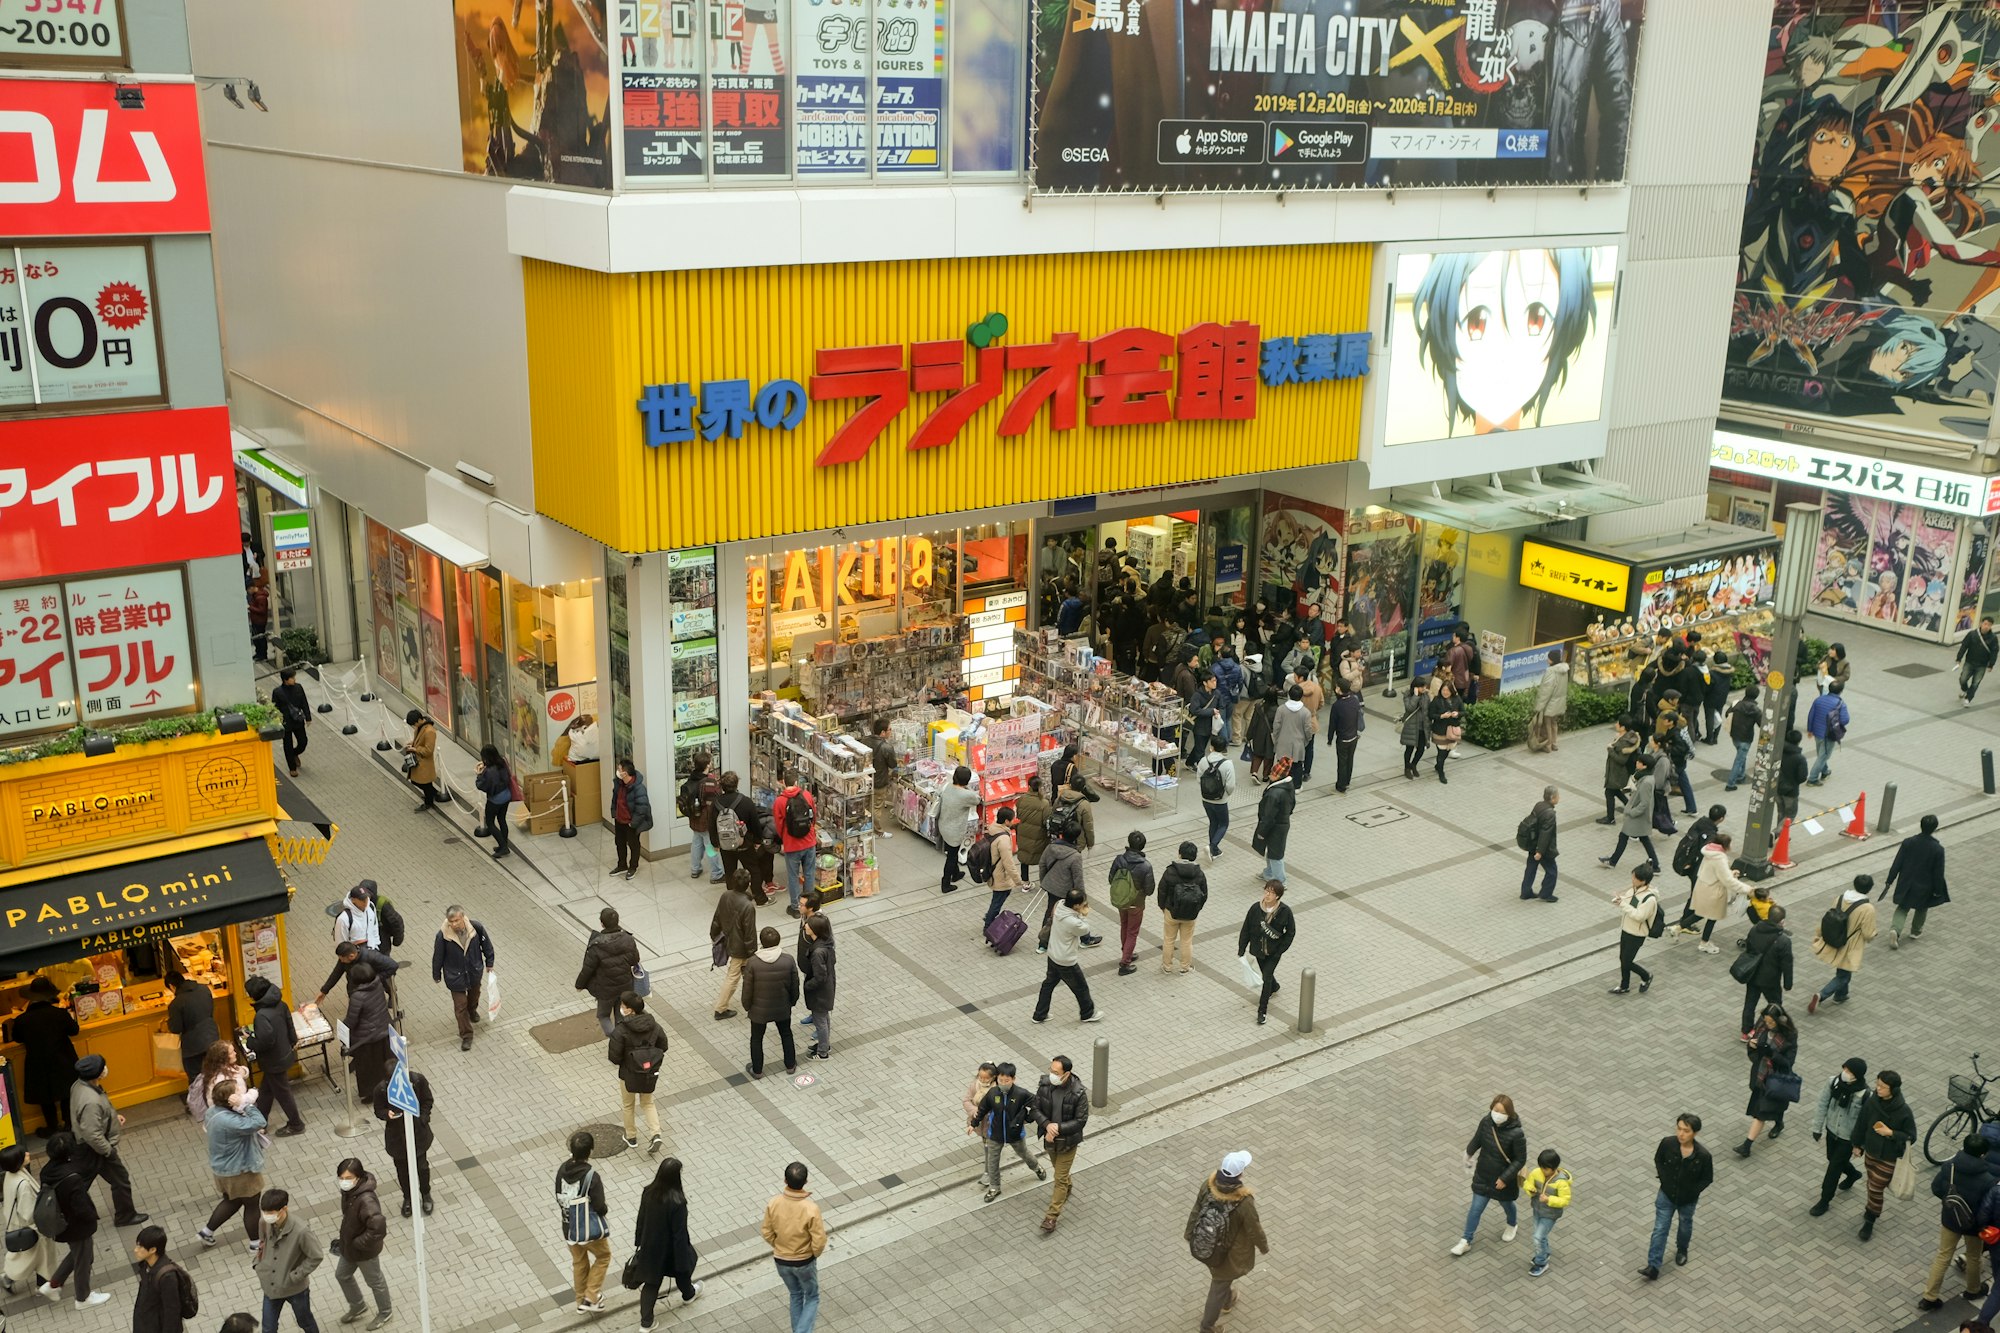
[[796, 1234], [1547, 1188]]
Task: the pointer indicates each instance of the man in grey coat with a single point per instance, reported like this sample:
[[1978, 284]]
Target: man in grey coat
[[1067, 930], [1291, 728], [285, 1263], [1541, 832], [96, 1126]]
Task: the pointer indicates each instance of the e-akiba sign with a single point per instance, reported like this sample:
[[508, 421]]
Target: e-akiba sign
[[75, 160]]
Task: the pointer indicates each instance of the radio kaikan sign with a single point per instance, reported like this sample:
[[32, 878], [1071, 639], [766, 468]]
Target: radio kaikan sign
[[1130, 377]]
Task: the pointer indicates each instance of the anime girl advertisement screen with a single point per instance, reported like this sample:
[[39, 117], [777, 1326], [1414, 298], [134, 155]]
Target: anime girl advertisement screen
[[1868, 275], [1491, 342]]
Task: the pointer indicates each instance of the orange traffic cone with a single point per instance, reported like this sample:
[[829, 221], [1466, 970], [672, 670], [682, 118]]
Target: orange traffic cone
[[1781, 855], [1857, 827]]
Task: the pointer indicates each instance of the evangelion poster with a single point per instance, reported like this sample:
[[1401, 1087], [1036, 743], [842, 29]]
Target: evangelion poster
[[1381, 567], [1866, 285], [533, 84], [1299, 556], [1319, 94], [1440, 583]]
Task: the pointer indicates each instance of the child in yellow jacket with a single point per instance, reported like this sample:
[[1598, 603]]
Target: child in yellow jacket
[[1761, 903], [1548, 1190]]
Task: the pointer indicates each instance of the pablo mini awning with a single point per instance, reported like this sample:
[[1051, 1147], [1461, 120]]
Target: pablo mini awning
[[68, 917], [305, 833]]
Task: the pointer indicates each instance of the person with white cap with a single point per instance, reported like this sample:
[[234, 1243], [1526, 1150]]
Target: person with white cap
[[1224, 1233]]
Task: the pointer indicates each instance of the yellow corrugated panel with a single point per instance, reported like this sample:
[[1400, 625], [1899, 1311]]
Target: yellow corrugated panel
[[595, 340]]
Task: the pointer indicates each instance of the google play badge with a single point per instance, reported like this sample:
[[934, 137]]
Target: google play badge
[[1281, 143]]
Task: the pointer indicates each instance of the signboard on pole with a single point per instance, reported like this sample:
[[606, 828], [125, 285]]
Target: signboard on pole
[[291, 540]]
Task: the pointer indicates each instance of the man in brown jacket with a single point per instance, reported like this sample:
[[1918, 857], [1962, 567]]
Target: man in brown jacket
[[796, 1234], [735, 924], [1223, 1232]]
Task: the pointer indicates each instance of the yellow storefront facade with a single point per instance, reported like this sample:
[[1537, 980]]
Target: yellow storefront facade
[[119, 872], [854, 492]]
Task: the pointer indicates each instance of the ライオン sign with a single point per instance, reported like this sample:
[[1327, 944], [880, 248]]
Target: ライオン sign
[[1576, 574]]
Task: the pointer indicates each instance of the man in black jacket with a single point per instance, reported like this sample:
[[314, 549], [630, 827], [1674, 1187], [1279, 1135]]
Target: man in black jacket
[[1977, 652], [191, 1017], [1002, 1118], [461, 956], [770, 992], [816, 964], [1062, 1106], [1343, 728], [392, 1138], [289, 698], [272, 1040], [156, 1307], [1684, 1169], [1917, 876], [1542, 855], [1771, 945], [1792, 770], [1744, 716], [735, 924], [1959, 1185], [1721, 678], [608, 961]]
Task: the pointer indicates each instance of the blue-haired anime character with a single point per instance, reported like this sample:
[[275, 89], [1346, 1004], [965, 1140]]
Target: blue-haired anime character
[[1500, 328]]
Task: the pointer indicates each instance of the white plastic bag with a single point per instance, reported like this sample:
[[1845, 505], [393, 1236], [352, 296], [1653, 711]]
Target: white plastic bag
[[1251, 975], [1903, 1180], [490, 995]]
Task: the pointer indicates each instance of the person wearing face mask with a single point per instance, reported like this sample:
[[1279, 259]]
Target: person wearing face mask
[[285, 1264], [1062, 1108], [1497, 1152], [1884, 1129], [393, 1138], [362, 1232], [235, 1157], [1834, 1118]]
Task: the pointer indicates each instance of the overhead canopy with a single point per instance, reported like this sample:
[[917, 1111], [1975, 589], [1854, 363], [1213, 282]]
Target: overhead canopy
[[297, 843], [1499, 503], [295, 805], [70, 917], [441, 543]]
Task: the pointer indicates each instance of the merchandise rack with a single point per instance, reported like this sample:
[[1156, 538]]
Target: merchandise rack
[[1127, 728], [839, 772]]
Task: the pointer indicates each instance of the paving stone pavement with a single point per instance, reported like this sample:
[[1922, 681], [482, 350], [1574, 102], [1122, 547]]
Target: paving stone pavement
[[1435, 988]]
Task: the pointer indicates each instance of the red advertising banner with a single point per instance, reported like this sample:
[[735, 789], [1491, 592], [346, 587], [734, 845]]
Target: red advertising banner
[[75, 163], [106, 492]]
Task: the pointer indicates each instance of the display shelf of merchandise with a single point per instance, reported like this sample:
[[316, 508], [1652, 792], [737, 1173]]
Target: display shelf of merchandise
[[838, 770], [1612, 658], [849, 679], [1128, 729]]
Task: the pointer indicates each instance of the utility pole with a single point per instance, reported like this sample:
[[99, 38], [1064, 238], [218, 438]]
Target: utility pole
[[1796, 559]]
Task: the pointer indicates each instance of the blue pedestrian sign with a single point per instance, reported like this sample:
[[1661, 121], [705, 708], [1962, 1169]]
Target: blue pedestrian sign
[[401, 1095]]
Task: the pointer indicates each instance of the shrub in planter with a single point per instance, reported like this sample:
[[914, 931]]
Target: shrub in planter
[[1500, 721], [300, 646], [1592, 707]]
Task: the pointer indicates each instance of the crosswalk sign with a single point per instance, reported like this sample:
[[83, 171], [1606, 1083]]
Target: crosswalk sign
[[401, 1095]]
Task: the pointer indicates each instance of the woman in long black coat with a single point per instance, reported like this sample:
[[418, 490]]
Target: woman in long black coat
[[44, 1030], [1496, 1153], [661, 1246], [1917, 876]]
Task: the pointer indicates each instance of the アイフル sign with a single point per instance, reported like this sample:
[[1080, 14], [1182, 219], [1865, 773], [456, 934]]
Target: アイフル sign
[[94, 650], [79, 164], [132, 488]]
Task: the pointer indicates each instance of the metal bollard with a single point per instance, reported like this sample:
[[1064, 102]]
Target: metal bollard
[[1307, 980], [1100, 1070], [1882, 821], [1986, 769]]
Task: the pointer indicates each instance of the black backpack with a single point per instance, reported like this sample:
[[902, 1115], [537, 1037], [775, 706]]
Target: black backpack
[[190, 1301], [642, 1062], [1658, 925], [798, 815], [1065, 823], [1687, 856], [1833, 926], [391, 922], [1959, 1214], [48, 1215], [979, 861], [1524, 833], [688, 797], [1211, 782]]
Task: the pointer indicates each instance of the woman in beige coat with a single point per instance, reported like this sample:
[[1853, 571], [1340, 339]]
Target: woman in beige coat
[[1716, 888], [421, 752], [1858, 915], [25, 1270], [1551, 703]]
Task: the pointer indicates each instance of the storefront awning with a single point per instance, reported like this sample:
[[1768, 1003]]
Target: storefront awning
[[116, 907], [305, 833], [257, 461], [445, 546], [1502, 502]]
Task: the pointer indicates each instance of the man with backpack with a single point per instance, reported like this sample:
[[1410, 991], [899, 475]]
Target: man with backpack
[[1977, 652], [1826, 723], [580, 1197], [739, 831], [797, 817], [166, 1297], [695, 802], [1224, 1233], [1215, 777], [1183, 893], [1536, 835], [295, 710], [1842, 937], [1131, 885], [638, 1046], [1960, 1185]]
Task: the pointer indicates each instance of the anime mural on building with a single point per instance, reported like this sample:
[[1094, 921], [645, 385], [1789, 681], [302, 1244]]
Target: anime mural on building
[[533, 83], [1300, 557], [1867, 280]]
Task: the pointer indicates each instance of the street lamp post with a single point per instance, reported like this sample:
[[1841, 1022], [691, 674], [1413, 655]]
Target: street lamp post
[[1795, 568]]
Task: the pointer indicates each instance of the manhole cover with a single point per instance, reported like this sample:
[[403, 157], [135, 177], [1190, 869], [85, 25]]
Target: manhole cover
[[1913, 670], [568, 1034], [1377, 815], [610, 1140]]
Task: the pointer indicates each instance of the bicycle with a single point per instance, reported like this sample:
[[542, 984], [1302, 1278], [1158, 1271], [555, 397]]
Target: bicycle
[[1968, 1112]]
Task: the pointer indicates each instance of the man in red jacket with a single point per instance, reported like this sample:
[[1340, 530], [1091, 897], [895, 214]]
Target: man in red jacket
[[797, 818]]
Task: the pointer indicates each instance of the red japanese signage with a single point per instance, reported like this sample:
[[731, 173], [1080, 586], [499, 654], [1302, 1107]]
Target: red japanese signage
[[75, 163], [107, 492]]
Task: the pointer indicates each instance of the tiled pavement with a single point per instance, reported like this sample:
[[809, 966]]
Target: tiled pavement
[[1426, 975]]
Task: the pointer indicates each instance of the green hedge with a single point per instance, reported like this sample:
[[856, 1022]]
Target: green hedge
[[1501, 721], [258, 716]]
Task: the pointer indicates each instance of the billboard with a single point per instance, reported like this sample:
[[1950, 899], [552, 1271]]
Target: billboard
[[1866, 280], [78, 163], [533, 84], [1487, 341], [1319, 94], [78, 323]]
